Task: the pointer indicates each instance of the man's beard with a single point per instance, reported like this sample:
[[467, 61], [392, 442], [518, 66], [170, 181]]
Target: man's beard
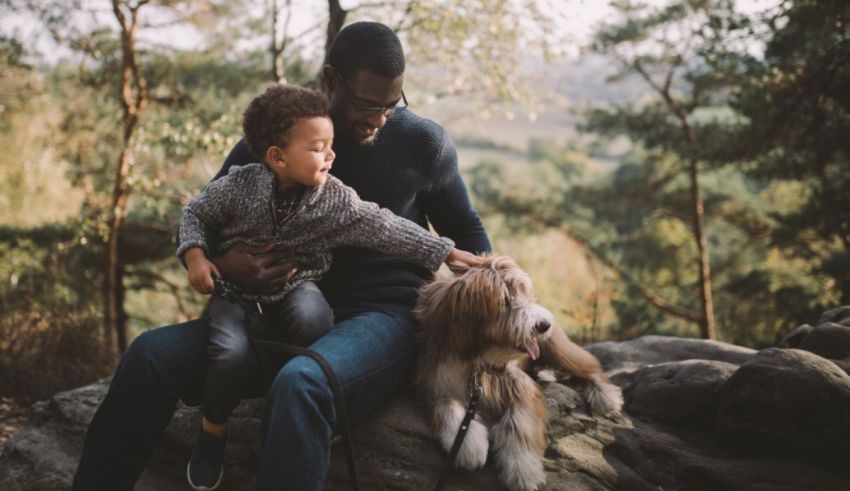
[[370, 140]]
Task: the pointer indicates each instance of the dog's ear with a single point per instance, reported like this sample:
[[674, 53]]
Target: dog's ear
[[434, 311], [478, 296], [454, 312]]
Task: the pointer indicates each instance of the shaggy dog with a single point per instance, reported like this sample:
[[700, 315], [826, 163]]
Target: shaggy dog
[[485, 322]]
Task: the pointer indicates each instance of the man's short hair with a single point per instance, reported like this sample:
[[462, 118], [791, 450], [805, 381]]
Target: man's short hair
[[272, 114], [367, 46]]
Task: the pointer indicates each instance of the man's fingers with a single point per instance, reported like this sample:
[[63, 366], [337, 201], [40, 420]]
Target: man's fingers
[[256, 250], [279, 273], [271, 259]]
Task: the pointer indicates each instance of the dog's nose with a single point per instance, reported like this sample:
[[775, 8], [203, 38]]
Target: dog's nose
[[542, 326]]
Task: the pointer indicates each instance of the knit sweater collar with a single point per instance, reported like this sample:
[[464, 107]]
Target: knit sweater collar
[[311, 195]]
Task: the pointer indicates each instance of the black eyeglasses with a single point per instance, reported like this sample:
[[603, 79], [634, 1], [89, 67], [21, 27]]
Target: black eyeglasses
[[367, 110]]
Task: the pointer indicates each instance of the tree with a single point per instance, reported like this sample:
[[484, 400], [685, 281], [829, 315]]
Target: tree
[[679, 51], [796, 118], [134, 99]]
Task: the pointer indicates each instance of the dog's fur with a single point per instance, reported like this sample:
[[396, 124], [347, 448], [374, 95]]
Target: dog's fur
[[486, 319]]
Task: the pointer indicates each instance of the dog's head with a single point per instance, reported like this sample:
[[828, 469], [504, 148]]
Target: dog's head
[[487, 310]]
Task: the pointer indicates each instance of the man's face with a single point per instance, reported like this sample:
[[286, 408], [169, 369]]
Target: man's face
[[355, 103]]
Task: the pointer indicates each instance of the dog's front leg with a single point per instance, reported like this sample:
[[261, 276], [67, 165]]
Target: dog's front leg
[[448, 415], [559, 352], [519, 439]]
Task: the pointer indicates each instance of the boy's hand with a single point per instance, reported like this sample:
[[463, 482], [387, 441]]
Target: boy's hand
[[459, 259], [256, 269], [201, 270]]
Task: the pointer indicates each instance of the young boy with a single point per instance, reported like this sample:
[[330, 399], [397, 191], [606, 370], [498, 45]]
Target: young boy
[[292, 201]]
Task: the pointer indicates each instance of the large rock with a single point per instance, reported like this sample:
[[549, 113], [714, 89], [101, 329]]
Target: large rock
[[679, 393], [676, 390], [788, 402], [647, 350], [395, 448]]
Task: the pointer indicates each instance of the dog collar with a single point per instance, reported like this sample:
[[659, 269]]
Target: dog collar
[[484, 367]]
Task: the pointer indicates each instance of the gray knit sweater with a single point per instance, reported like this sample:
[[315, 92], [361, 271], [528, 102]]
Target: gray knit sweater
[[240, 207]]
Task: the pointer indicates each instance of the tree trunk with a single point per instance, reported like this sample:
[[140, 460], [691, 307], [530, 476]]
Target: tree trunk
[[706, 317], [274, 49], [275, 73], [133, 97], [706, 323], [336, 19], [114, 314]]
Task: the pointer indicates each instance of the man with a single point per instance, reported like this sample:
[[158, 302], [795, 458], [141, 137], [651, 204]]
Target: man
[[389, 156]]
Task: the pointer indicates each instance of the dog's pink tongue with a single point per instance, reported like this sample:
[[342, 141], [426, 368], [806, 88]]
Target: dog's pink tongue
[[532, 349]]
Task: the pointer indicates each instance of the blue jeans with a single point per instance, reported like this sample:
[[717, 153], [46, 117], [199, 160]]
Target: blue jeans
[[371, 353]]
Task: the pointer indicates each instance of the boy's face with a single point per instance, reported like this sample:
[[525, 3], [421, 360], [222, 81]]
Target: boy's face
[[360, 105], [307, 156]]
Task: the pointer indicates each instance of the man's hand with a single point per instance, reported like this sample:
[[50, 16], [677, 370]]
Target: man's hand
[[459, 260], [201, 271], [255, 269]]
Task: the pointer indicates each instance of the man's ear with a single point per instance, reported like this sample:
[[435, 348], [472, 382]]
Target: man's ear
[[274, 156], [329, 78]]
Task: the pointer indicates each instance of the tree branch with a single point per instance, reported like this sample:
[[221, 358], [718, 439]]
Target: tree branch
[[173, 287]]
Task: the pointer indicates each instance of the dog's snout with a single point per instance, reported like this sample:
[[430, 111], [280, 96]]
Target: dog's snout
[[542, 326]]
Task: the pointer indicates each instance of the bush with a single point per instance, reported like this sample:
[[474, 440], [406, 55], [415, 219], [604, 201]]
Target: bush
[[50, 334]]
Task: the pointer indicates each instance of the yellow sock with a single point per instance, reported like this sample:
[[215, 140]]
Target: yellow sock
[[213, 428]]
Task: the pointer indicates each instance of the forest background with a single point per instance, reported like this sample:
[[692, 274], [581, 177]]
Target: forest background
[[673, 167]]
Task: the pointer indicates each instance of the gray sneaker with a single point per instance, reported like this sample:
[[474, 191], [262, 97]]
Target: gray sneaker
[[205, 470]]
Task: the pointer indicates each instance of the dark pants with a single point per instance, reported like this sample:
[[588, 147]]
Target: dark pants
[[371, 353], [302, 317]]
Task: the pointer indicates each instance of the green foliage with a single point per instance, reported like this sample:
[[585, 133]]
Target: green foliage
[[770, 135], [633, 217], [797, 111], [49, 329]]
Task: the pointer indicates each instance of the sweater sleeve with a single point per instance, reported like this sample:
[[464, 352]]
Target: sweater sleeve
[[206, 214], [447, 203], [365, 224]]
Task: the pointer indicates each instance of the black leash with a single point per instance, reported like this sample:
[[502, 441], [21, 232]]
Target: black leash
[[475, 392], [254, 315]]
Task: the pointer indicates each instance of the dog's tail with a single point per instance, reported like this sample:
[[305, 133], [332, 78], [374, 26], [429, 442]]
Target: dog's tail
[[559, 352]]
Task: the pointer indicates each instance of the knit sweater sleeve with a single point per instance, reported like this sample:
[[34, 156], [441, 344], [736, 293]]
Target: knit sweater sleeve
[[365, 224], [208, 213]]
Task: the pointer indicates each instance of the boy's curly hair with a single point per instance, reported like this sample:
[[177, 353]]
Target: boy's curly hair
[[272, 114]]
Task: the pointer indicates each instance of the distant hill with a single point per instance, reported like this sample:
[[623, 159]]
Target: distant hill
[[569, 87]]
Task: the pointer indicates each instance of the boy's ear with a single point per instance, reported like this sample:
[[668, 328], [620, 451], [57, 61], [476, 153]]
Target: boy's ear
[[274, 155]]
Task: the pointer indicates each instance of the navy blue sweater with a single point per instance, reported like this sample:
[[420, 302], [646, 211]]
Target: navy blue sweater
[[411, 169]]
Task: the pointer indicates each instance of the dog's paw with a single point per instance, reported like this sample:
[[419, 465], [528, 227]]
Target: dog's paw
[[473, 450], [547, 376], [522, 471], [605, 399]]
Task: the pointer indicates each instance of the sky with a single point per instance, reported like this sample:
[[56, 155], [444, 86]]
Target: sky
[[577, 18]]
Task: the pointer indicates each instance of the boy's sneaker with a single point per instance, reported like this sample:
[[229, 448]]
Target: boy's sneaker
[[205, 469]]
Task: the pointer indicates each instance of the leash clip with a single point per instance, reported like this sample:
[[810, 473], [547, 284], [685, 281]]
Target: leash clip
[[475, 388]]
